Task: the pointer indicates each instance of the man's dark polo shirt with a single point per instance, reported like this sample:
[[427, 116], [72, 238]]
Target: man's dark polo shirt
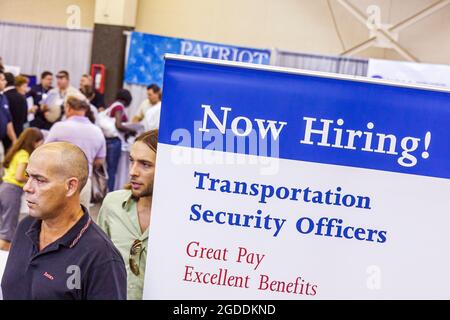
[[5, 116], [37, 92], [53, 272], [99, 100]]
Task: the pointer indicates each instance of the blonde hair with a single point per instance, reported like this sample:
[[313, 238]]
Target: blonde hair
[[21, 80], [26, 141]]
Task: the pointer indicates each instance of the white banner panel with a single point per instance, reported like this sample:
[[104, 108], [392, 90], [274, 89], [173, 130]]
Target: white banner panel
[[410, 72], [277, 184]]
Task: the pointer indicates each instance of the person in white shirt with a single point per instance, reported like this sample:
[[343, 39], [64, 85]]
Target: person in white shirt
[[53, 104], [153, 100], [151, 119]]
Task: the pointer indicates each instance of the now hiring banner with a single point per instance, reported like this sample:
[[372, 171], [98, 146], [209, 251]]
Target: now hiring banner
[[280, 184]]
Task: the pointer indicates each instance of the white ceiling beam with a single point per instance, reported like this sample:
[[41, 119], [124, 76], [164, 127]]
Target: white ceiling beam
[[439, 5]]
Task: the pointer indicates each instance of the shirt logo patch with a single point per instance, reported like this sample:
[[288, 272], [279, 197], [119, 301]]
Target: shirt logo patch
[[49, 276]]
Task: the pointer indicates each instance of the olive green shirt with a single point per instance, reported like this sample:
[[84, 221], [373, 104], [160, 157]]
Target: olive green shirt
[[118, 217]]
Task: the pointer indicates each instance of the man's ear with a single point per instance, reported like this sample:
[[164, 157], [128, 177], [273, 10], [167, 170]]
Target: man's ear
[[67, 110], [72, 186]]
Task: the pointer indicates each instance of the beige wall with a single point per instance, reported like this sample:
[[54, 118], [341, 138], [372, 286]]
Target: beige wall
[[116, 12], [46, 12], [296, 25], [286, 24]]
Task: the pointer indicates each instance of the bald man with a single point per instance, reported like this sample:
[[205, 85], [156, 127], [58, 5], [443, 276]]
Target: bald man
[[58, 252]]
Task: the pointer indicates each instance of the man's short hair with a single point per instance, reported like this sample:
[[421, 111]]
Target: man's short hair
[[10, 79], [77, 102], [63, 74], [154, 87], [45, 74]]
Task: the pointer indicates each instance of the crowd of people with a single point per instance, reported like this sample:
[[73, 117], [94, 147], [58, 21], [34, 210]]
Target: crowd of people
[[56, 145]]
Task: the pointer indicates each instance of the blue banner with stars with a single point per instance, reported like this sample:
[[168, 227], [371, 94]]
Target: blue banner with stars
[[145, 63]]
